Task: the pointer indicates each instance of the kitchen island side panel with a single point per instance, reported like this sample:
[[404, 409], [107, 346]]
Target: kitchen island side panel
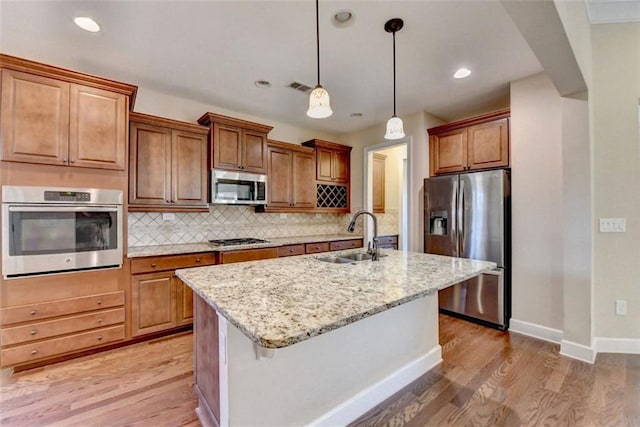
[[317, 381]]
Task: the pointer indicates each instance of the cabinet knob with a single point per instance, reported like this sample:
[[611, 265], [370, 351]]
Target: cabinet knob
[[33, 312], [197, 259], [99, 337], [64, 160], [153, 265], [99, 320], [99, 302], [34, 352], [34, 332], [71, 161], [291, 250]]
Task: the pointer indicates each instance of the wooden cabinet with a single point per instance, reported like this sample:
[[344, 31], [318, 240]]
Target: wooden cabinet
[[242, 255], [291, 250], [160, 301], [48, 329], [388, 242], [291, 184], [333, 162], [378, 182], [168, 164], [472, 144], [340, 245], [236, 145], [58, 117]]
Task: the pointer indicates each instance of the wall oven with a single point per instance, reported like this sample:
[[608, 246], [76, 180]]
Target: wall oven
[[59, 230]]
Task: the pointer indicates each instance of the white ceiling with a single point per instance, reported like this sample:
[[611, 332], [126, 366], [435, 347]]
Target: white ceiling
[[214, 51]]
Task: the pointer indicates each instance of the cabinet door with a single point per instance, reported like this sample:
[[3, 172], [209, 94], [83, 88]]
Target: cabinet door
[[279, 185], [189, 168], [324, 161], [97, 128], [378, 183], [34, 119], [226, 147], [489, 145], [185, 303], [254, 152], [303, 182], [153, 303], [448, 151], [150, 165], [340, 166]]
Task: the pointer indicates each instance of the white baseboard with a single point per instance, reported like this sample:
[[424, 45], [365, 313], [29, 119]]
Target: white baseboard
[[366, 399], [535, 331], [617, 345], [578, 351]]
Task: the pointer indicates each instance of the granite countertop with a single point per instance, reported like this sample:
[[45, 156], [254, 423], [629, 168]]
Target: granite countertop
[[187, 248], [280, 302]]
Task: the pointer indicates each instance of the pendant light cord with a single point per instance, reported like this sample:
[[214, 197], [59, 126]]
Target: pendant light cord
[[318, 41], [394, 73]]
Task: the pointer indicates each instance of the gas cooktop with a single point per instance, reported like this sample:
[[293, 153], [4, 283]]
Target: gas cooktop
[[241, 241]]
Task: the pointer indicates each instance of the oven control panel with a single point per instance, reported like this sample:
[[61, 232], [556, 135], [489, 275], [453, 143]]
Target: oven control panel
[[67, 196]]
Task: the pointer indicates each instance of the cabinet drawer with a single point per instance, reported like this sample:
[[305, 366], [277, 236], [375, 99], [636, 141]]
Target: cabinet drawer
[[58, 346], [172, 262], [43, 310], [248, 255], [52, 328], [291, 250], [345, 244], [314, 248]]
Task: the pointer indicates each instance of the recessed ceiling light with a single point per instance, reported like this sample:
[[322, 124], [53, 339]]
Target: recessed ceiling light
[[343, 18], [356, 115], [461, 73], [87, 24], [262, 84]]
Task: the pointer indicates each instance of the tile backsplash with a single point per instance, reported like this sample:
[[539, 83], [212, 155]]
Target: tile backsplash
[[225, 222]]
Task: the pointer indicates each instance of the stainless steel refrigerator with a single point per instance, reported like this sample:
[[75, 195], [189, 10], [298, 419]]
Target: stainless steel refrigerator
[[469, 216]]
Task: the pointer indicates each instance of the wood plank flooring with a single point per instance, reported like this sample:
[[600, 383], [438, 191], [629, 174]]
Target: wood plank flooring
[[487, 378]]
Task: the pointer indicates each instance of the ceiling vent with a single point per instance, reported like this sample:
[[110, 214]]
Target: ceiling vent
[[300, 86]]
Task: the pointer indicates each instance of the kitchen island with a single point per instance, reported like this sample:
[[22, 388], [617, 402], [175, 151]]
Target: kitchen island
[[303, 341]]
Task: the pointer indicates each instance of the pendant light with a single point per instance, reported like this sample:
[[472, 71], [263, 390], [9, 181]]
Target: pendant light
[[319, 106], [395, 128]]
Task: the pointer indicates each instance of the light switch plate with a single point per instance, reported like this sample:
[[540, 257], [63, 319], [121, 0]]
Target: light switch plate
[[613, 225], [168, 216]]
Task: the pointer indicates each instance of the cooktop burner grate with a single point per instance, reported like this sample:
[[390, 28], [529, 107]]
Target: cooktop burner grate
[[241, 241]]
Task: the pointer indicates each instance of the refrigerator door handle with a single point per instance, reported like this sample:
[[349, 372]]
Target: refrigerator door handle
[[460, 220], [454, 220]]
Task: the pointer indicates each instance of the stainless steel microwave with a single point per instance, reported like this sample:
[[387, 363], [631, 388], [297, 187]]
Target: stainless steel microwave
[[60, 230], [240, 188]]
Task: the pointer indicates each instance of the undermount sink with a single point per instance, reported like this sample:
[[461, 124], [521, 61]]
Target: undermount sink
[[349, 258], [357, 257], [335, 260]]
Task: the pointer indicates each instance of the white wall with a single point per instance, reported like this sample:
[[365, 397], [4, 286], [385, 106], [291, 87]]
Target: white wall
[[537, 204]]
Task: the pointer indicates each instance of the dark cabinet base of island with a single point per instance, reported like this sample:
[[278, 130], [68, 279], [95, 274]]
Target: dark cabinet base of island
[[329, 379]]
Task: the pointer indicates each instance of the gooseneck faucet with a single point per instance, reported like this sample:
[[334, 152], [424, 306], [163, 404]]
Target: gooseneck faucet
[[373, 248]]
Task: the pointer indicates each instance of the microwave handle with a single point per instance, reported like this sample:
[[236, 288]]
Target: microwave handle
[[62, 209]]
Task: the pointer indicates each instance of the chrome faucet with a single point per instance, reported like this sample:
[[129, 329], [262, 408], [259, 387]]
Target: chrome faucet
[[373, 248]]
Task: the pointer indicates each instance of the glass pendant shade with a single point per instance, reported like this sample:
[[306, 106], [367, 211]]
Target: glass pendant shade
[[395, 128], [319, 105]]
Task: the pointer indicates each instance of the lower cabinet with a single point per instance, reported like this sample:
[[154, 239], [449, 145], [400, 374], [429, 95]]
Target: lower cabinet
[[388, 242], [160, 301]]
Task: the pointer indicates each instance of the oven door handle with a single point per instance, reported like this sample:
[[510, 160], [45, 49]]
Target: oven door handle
[[62, 209]]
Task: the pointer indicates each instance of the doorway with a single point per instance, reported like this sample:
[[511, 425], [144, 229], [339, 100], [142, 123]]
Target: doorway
[[387, 196]]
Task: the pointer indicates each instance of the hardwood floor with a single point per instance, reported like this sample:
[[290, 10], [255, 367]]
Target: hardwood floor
[[487, 378]]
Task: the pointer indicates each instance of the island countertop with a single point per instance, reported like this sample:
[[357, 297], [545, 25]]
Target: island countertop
[[283, 301]]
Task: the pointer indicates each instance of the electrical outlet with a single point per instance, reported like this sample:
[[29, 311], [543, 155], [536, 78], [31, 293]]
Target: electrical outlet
[[621, 307], [283, 215], [168, 216], [613, 225]]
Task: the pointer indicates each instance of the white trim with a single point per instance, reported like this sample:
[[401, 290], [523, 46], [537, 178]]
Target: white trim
[[223, 370], [536, 331], [617, 345], [366, 399], [577, 351]]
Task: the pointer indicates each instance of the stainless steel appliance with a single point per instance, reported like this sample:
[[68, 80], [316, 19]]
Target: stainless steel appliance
[[469, 216], [238, 241], [56, 230], [239, 188]]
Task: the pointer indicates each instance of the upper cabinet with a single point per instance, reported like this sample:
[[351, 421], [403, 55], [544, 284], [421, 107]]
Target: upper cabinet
[[379, 161], [291, 183], [471, 144], [167, 165], [53, 116], [237, 145], [333, 162]]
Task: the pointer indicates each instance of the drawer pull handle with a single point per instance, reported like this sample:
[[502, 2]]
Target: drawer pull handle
[[153, 265], [291, 250], [99, 320], [99, 302], [99, 337], [33, 332], [33, 312], [197, 259], [34, 352]]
